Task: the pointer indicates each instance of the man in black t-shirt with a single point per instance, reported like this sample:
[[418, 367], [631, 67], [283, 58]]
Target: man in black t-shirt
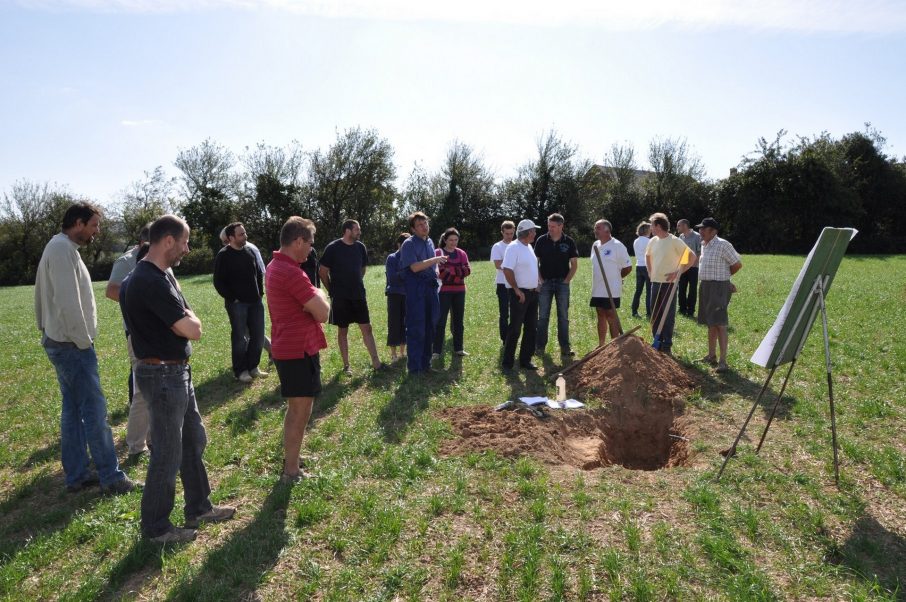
[[342, 270], [161, 325], [239, 279], [558, 260]]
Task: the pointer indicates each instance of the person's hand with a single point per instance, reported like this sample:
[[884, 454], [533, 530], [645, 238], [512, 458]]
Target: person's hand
[[520, 295], [440, 259], [672, 276], [733, 288]]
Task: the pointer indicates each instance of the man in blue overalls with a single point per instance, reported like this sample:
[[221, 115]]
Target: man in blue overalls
[[419, 266]]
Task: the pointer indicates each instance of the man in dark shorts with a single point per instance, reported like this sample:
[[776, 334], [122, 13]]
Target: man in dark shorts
[[608, 256], [342, 272], [718, 262], [297, 309], [161, 324]]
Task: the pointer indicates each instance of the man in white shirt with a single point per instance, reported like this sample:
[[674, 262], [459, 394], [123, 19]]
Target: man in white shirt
[[610, 256], [718, 262], [642, 281], [520, 268], [507, 231]]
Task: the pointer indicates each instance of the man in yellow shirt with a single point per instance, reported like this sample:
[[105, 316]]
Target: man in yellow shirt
[[666, 257]]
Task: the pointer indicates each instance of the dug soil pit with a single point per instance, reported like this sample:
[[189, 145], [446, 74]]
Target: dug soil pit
[[640, 424]]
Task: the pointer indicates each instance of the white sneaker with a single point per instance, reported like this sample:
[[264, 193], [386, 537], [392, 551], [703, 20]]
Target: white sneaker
[[245, 377], [258, 373]]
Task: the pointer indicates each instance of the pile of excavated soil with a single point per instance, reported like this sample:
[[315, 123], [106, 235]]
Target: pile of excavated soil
[[640, 425]]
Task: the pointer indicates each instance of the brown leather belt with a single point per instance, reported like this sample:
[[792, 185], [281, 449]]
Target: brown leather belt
[[156, 361]]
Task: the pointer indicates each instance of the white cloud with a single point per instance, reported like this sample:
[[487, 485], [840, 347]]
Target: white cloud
[[131, 123], [868, 16]]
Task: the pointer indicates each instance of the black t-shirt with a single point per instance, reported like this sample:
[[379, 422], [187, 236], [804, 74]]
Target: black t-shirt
[[345, 263], [554, 256], [310, 267], [151, 303]]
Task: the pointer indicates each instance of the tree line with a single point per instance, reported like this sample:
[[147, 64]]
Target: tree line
[[775, 201]]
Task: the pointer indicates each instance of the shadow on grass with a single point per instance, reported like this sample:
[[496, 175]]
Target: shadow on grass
[[411, 397], [235, 569], [37, 509], [216, 391], [875, 554], [715, 387]]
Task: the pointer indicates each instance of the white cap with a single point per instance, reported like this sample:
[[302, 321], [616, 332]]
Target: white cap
[[525, 225]]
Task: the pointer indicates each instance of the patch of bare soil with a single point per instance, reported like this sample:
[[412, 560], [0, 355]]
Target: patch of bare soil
[[639, 426]]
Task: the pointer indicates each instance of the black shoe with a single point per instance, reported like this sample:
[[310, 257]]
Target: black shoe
[[506, 368], [90, 481], [528, 366], [567, 353], [635, 314], [121, 487]]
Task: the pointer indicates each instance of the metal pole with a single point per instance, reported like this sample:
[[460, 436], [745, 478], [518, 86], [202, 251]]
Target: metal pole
[[732, 451], [776, 403], [830, 385]]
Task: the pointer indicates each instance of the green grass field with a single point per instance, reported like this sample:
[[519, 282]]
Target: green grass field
[[388, 517]]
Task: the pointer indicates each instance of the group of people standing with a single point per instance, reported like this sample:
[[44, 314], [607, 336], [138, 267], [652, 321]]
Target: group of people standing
[[424, 285]]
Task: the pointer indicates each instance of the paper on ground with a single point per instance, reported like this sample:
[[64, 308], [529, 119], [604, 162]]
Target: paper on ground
[[568, 404]]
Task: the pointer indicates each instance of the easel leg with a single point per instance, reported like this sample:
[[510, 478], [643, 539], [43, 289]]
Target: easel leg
[[776, 404], [732, 451], [830, 386]]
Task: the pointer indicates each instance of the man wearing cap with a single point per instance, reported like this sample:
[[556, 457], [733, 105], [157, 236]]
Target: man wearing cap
[[688, 280], [520, 268], [718, 262], [558, 260], [418, 265]]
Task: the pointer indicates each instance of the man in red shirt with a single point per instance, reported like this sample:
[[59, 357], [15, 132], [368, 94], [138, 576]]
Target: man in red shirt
[[297, 311]]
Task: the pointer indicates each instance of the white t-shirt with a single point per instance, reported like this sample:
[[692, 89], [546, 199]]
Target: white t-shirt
[[615, 257], [638, 246], [497, 252], [521, 259]]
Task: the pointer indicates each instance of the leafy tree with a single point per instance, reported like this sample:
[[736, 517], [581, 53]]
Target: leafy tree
[[145, 200], [554, 182], [274, 192], [676, 186], [465, 196], [210, 189], [354, 180]]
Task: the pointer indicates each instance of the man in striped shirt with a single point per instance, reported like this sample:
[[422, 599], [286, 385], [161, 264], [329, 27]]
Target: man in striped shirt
[[297, 309], [718, 262]]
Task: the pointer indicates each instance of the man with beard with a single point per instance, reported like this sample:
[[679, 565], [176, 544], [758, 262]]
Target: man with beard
[[161, 324], [67, 317]]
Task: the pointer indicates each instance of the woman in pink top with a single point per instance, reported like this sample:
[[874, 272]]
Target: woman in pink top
[[452, 292]]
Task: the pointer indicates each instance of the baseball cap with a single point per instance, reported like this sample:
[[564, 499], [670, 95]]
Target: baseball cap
[[709, 222], [526, 224]]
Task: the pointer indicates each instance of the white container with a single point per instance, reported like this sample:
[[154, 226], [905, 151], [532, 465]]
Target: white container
[[561, 388]]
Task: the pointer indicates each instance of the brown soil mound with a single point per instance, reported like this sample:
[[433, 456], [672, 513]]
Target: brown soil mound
[[640, 425]]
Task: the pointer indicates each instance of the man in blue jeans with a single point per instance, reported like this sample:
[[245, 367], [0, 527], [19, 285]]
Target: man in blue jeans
[[67, 317], [558, 260], [239, 279], [161, 325]]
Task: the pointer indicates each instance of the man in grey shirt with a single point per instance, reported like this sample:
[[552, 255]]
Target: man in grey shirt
[[688, 282], [67, 317], [138, 424]]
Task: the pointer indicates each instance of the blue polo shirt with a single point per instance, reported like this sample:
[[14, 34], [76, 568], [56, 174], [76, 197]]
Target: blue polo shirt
[[416, 249]]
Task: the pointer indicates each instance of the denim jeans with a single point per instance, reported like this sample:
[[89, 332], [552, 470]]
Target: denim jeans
[[524, 317], [661, 291], [642, 282], [455, 305], [247, 334], [83, 420], [503, 308], [688, 291], [550, 289], [179, 442]]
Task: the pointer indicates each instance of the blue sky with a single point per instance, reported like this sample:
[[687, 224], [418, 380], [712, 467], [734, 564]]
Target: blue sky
[[95, 92]]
